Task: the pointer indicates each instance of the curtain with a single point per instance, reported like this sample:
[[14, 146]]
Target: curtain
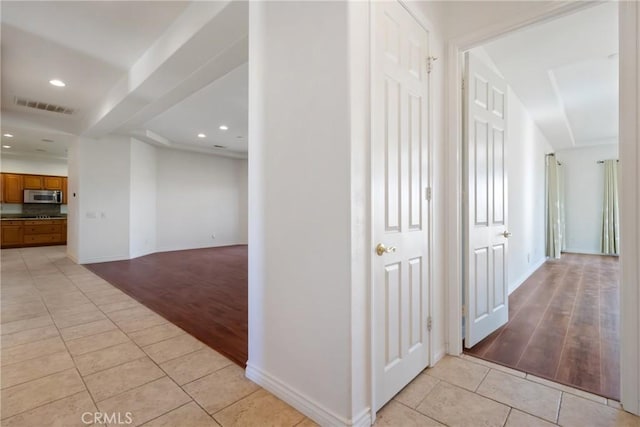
[[561, 204], [611, 214], [554, 211]]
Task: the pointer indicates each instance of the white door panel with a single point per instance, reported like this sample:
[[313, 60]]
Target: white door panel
[[399, 171], [486, 290]]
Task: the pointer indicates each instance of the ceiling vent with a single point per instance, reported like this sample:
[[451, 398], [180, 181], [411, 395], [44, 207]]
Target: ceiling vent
[[44, 106], [219, 146]]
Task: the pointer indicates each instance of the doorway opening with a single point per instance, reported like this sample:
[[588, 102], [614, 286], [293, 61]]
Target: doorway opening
[[536, 229]]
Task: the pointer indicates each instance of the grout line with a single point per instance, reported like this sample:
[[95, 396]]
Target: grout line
[[242, 398], [146, 355], [559, 408], [483, 378], [507, 417]]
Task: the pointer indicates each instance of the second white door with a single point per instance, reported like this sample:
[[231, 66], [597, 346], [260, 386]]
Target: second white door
[[485, 258]]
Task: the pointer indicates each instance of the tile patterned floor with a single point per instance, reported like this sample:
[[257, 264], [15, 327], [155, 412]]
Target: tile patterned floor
[[72, 343]]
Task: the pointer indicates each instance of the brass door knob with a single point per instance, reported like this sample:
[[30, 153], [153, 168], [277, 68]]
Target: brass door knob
[[506, 234], [382, 249]]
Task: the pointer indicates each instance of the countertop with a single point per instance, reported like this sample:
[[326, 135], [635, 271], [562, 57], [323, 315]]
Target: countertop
[[18, 217]]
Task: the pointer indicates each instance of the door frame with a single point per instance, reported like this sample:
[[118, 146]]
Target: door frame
[[629, 21], [426, 25]]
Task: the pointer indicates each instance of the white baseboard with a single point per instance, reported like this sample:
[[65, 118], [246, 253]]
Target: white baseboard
[[438, 356], [103, 259], [581, 251], [304, 404], [515, 285]]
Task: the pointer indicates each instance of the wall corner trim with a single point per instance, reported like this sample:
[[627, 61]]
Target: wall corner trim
[[302, 403]]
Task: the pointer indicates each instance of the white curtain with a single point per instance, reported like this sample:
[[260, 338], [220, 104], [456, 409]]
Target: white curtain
[[611, 214], [555, 208]]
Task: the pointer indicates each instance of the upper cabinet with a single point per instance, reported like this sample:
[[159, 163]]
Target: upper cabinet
[[13, 185], [52, 182], [11, 188], [65, 188], [33, 182]]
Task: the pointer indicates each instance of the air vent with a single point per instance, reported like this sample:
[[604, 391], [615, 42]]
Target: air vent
[[46, 140], [219, 146], [44, 106]]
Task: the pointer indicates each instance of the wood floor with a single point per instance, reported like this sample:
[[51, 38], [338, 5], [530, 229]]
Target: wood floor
[[203, 291], [564, 325]]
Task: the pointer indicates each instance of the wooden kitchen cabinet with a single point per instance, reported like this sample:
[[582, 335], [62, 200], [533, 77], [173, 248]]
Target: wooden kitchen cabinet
[[12, 188], [52, 182], [12, 234], [65, 188], [32, 182]]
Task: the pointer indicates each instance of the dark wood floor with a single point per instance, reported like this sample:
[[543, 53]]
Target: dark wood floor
[[203, 291], [564, 325]]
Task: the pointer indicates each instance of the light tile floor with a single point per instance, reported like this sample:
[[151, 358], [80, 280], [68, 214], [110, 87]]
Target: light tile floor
[[72, 344]]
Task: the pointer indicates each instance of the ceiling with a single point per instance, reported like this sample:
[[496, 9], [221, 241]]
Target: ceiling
[[565, 72], [95, 47]]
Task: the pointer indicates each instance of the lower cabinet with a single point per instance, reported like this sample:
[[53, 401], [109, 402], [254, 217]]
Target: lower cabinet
[[12, 234], [33, 233]]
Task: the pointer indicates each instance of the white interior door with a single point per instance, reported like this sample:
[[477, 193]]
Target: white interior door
[[400, 211], [486, 235]]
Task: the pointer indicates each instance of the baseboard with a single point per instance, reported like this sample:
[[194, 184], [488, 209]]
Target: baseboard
[[103, 259], [515, 285], [583, 252], [72, 258], [438, 356], [173, 248], [302, 403]]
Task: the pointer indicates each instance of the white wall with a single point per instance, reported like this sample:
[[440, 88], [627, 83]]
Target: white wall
[[34, 165], [142, 222], [299, 204], [243, 201], [103, 198], [584, 192], [199, 196], [135, 199], [526, 147]]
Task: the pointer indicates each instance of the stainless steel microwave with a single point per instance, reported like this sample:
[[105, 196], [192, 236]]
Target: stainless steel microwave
[[43, 196]]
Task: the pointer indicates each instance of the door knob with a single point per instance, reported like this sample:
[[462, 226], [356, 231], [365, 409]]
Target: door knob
[[382, 249], [506, 234]]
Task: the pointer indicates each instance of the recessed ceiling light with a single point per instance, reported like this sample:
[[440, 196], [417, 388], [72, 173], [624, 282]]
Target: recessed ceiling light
[[8, 135], [202, 135], [57, 83], [6, 146], [223, 127]]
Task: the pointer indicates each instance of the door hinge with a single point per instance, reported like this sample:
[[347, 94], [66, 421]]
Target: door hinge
[[427, 193], [430, 61], [429, 323], [464, 310], [463, 85]]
